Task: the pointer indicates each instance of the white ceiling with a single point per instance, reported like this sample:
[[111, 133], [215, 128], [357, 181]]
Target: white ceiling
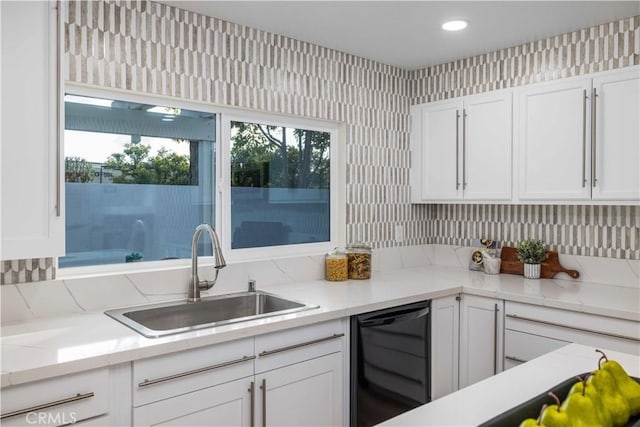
[[407, 33]]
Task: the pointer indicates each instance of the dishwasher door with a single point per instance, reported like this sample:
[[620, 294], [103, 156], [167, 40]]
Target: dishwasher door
[[390, 362]]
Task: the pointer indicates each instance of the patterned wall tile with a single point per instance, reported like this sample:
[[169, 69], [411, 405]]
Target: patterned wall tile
[[27, 270], [603, 47], [604, 231], [153, 48], [148, 47]]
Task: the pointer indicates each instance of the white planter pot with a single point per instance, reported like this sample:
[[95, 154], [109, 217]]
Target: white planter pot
[[532, 271]]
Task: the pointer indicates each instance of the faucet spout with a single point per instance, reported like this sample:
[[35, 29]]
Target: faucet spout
[[195, 285]]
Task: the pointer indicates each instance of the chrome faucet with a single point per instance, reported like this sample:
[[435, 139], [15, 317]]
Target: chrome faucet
[[195, 285]]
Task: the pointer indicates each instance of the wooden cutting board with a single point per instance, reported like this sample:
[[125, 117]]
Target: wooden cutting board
[[549, 268]]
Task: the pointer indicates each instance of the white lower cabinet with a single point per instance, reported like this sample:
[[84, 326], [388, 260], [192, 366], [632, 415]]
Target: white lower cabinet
[[292, 377], [481, 338], [304, 394], [62, 400], [531, 331], [300, 376], [227, 404], [445, 328]]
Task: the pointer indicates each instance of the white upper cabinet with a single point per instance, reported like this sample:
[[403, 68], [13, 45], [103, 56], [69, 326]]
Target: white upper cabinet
[[461, 149], [486, 168], [436, 151], [552, 128], [575, 140], [31, 159], [579, 140], [615, 140]]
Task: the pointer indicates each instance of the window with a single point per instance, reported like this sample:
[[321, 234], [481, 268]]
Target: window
[[283, 191], [280, 180], [138, 179], [140, 176]]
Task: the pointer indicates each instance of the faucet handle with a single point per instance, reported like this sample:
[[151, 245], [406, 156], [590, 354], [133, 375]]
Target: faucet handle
[[252, 285], [204, 285]]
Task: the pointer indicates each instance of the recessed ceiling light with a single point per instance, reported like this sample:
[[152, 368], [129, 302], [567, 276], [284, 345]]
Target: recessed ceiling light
[[456, 25]]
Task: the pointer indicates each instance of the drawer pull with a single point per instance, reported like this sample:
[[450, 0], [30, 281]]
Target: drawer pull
[[37, 408], [591, 331], [303, 344], [252, 392], [515, 359], [495, 338], [147, 383]]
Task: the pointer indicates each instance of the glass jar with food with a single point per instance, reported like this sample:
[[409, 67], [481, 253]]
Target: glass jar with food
[[336, 266], [359, 256]]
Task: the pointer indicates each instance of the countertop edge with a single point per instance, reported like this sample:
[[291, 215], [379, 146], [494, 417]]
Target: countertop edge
[[158, 346]]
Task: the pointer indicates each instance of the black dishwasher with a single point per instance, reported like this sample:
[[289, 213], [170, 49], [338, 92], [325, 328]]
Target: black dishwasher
[[390, 362]]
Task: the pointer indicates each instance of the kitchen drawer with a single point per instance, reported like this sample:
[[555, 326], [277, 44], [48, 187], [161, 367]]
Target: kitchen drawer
[[296, 345], [520, 347], [56, 401], [227, 404], [173, 374], [582, 328]]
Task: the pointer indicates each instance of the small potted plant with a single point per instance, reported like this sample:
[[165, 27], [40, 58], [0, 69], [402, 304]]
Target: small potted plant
[[531, 252]]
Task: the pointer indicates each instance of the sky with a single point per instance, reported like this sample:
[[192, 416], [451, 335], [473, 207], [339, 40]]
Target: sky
[[96, 147]]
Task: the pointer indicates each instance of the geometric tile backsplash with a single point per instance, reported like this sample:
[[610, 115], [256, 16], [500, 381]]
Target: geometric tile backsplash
[[153, 48], [604, 231], [27, 270]]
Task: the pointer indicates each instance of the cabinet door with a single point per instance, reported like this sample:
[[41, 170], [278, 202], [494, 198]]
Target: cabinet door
[[481, 338], [31, 165], [553, 130], [445, 323], [616, 140], [305, 394], [228, 404], [486, 147], [441, 156]]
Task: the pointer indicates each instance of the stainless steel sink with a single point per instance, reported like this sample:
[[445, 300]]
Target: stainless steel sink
[[157, 320]]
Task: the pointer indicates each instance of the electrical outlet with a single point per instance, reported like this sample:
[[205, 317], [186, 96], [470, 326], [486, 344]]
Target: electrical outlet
[[399, 233]]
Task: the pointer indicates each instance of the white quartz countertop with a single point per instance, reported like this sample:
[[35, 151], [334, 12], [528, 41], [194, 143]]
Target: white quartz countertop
[[48, 347], [484, 400]]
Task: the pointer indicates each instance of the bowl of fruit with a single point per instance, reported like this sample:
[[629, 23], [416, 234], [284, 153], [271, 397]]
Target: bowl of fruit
[[606, 397]]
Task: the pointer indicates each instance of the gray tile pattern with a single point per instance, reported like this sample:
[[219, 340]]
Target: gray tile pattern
[[604, 231], [600, 48], [27, 270], [152, 48]]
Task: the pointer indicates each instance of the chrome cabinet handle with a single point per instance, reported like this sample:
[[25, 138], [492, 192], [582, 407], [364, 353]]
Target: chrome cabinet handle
[[58, 78], [591, 331], [594, 178], [303, 344], [37, 408], [515, 359], [457, 139], [584, 137], [264, 402], [464, 148], [147, 383], [252, 393], [495, 338]]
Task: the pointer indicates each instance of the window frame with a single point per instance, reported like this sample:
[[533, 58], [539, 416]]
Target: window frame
[[336, 181], [224, 116]]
